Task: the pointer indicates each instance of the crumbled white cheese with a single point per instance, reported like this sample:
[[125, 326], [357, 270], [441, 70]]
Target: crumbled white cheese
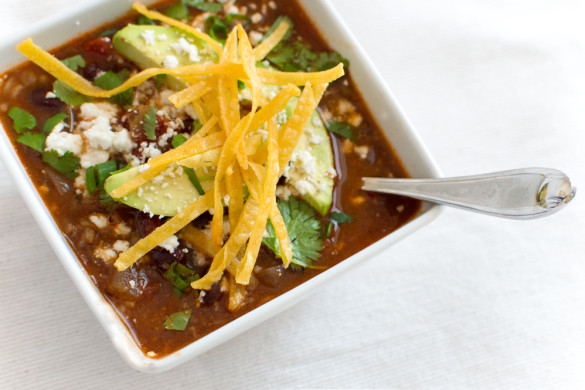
[[272, 4], [108, 255], [184, 47], [332, 173], [149, 150], [121, 245], [122, 229], [63, 142], [171, 62], [148, 36], [99, 220], [162, 37], [50, 95], [170, 244], [132, 283], [256, 18], [255, 37], [93, 157], [362, 151]]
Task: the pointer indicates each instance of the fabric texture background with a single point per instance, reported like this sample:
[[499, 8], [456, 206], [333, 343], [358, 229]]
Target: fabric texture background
[[469, 302]]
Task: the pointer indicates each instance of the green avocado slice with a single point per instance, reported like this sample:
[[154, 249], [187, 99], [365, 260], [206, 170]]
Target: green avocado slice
[[165, 195], [144, 46]]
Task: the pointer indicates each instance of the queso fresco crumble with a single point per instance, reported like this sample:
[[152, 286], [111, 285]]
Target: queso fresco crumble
[[225, 177]]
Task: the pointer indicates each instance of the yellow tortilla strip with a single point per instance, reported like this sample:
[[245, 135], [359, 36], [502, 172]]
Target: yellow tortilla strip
[[271, 41], [292, 130], [265, 204], [228, 252], [205, 159], [174, 22], [300, 78], [192, 92], [199, 239], [234, 188], [162, 233]]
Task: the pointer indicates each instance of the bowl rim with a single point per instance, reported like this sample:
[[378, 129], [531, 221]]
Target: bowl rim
[[76, 20]]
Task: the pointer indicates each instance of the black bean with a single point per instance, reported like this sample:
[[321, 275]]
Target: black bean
[[39, 98], [212, 295]]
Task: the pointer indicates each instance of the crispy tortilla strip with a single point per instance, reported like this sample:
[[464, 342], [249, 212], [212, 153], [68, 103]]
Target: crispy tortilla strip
[[237, 295], [229, 105], [157, 164], [174, 22], [202, 111], [61, 72], [300, 78], [234, 188], [205, 159], [265, 205], [271, 41], [199, 239], [228, 252], [193, 92], [292, 130], [172, 226]]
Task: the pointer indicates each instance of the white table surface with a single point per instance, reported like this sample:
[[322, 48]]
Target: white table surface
[[470, 302]]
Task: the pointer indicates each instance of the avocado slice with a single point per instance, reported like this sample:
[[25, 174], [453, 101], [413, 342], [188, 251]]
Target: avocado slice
[[151, 46], [166, 195], [146, 46]]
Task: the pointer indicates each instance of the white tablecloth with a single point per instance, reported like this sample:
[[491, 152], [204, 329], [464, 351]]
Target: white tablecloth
[[470, 302]]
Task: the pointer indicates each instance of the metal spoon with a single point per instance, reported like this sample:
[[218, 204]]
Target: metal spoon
[[518, 194]]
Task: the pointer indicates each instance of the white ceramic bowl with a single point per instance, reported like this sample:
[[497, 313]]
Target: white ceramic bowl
[[74, 21]]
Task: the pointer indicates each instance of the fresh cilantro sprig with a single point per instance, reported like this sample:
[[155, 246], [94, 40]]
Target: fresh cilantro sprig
[[194, 180], [53, 121], [22, 119], [66, 164], [337, 218], [342, 129], [181, 277], [64, 92], [303, 231], [180, 10], [111, 80], [149, 124], [35, 141], [178, 321]]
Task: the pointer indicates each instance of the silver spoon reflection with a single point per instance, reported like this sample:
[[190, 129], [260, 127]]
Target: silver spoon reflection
[[518, 194]]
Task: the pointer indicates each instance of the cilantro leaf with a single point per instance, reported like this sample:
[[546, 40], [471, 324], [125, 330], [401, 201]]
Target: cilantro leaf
[[342, 129], [178, 140], [64, 92], [303, 231], [111, 80], [35, 141], [53, 121], [217, 28], [194, 179], [178, 321], [108, 32], [181, 277], [22, 119], [149, 124], [67, 164], [296, 56], [145, 21], [74, 62], [209, 7], [178, 11], [68, 95], [341, 218]]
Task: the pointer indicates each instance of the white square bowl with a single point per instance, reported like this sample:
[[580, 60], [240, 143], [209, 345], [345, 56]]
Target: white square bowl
[[73, 22]]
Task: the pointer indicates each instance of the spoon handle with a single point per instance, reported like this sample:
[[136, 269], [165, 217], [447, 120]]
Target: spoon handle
[[518, 194]]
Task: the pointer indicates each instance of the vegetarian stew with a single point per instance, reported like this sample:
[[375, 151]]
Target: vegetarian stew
[[201, 158]]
